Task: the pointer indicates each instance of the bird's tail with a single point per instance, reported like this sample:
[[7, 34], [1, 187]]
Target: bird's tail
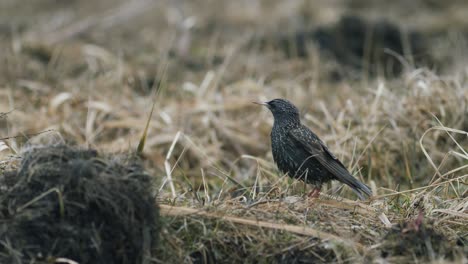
[[358, 187], [340, 172]]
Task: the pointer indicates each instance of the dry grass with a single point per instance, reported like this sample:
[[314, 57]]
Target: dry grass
[[93, 73]]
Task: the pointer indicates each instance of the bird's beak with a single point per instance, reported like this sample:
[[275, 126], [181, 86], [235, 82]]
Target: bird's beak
[[261, 103]]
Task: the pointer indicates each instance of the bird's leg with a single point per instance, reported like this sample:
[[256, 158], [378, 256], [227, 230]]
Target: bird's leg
[[415, 224], [418, 221], [315, 193]]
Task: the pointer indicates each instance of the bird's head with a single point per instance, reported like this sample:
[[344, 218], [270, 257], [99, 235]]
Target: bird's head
[[283, 111]]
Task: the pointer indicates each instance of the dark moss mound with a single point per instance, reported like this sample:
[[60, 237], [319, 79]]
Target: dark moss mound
[[422, 242], [68, 203]]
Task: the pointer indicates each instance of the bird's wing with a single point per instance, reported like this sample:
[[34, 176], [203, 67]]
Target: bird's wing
[[306, 139]]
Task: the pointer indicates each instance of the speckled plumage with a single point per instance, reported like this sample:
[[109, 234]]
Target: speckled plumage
[[298, 152]]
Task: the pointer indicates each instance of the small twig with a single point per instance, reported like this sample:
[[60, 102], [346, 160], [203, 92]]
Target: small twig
[[65, 260], [167, 165], [254, 187], [205, 186]]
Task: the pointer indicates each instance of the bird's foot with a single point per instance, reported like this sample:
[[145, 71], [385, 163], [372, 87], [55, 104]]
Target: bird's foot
[[315, 193]]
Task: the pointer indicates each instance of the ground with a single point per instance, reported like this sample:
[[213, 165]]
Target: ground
[[383, 84]]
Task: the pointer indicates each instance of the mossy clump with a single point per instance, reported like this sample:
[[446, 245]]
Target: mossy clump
[[63, 202]]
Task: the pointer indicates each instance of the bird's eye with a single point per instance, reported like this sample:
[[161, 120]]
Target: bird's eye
[[272, 104]]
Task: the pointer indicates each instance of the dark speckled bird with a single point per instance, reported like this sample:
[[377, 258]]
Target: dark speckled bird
[[302, 155]]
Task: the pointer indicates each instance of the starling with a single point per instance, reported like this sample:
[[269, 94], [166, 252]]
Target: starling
[[298, 152]]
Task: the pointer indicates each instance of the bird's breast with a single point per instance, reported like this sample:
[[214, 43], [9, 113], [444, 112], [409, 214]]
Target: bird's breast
[[283, 152], [292, 159]]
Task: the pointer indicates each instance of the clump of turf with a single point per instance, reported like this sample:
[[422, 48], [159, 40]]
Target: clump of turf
[[64, 202]]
